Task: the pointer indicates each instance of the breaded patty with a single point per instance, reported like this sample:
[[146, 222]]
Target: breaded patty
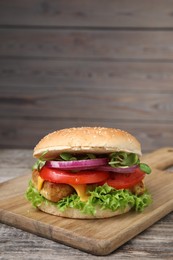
[[52, 191], [138, 189]]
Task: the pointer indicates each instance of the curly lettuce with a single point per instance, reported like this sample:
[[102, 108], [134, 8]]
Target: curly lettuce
[[104, 197]]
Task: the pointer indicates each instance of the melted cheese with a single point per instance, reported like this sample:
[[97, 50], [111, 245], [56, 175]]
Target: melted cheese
[[81, 191], [39, 183]]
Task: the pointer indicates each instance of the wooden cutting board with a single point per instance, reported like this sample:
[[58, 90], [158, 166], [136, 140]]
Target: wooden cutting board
[[99, 237]]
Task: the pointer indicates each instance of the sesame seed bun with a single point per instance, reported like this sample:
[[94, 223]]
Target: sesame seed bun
[[96, 140]]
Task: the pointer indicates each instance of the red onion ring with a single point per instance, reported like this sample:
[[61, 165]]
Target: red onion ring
[[78, 164], [128, 169]]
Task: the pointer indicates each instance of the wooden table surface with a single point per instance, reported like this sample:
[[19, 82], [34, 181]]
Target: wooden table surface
[[154, 243]]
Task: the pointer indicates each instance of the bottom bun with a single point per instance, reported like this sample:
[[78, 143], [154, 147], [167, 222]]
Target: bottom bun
[[77, 214]]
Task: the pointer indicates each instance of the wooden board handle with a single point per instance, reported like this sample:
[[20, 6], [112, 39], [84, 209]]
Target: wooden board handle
[[161, 159]]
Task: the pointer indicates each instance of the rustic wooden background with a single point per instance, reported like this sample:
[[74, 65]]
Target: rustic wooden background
[[76, 63]]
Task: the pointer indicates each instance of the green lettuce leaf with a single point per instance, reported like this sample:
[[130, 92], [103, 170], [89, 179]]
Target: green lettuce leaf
[[104, 196]]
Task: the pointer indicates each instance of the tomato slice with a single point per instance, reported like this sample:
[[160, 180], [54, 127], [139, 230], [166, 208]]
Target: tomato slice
[[82, 177], [125, 180]]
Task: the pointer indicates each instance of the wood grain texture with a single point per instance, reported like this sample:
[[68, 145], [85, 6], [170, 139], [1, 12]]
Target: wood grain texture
[[87, 44], [132, 96], [85, 63], [49, 72], [99, 237], [98, 13], [151, 136], [107, 104]]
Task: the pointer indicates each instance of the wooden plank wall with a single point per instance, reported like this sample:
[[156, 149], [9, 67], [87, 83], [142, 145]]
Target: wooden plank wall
[[86, 62]]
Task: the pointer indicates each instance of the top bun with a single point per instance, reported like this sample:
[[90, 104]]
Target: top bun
[[87, 140]]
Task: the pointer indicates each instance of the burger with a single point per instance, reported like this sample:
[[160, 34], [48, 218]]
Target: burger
[[88, 173]]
